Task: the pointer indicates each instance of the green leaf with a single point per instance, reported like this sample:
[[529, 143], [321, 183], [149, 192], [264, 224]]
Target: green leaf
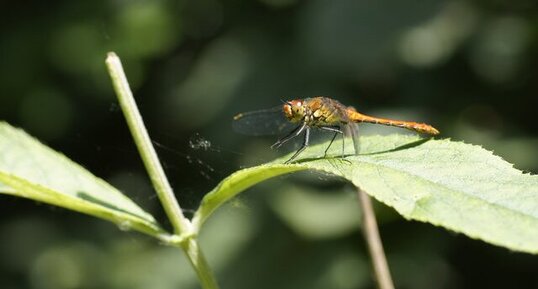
[[462, 187], [5, 189], [31, 170]]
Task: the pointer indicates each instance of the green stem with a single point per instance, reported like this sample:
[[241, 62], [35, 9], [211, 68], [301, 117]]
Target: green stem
[[373, 240], [182, 226], [143, 143], [199, 263]]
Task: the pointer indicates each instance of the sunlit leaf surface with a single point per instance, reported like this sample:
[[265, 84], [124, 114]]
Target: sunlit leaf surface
[[459, 186], [31, 170]]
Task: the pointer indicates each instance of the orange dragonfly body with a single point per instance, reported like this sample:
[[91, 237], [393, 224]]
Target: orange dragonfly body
[[323, 113]]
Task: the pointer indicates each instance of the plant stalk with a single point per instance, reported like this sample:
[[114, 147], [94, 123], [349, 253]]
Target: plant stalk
[[373, 240], [182, 226], [145, 148], [199, 263]]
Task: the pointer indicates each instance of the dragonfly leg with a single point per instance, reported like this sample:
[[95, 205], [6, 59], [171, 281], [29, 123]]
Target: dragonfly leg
[[343, 146], [303, 147], [295, 132], [336, 130], [332, 140]]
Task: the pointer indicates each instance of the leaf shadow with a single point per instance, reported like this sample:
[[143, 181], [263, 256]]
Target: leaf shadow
[[398, 148], [401, 147]]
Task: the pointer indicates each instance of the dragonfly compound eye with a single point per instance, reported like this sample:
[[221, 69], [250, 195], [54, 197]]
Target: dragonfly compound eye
[[286, 108], [293, 110]]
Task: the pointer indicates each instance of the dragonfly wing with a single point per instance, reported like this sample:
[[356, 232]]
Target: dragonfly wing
[[352, 129], [262, 122]]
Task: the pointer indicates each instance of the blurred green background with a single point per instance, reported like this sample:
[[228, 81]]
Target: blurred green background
[[467, 67]]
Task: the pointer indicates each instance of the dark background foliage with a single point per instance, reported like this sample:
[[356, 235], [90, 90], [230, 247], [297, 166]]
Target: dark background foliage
[[468, 67]]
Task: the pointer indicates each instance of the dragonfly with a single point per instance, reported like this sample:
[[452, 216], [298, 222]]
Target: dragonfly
[[300, 116]]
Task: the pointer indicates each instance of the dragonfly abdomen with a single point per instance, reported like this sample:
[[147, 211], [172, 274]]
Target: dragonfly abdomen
[[414, 126]]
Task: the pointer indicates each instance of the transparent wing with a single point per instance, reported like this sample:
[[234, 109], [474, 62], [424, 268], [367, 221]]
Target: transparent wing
[[352, 129], [262, 122]]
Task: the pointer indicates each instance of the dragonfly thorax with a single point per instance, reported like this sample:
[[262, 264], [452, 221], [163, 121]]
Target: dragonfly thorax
[[315, 112]]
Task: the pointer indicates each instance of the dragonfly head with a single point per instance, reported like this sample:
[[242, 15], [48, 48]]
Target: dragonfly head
[[294, 110]]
